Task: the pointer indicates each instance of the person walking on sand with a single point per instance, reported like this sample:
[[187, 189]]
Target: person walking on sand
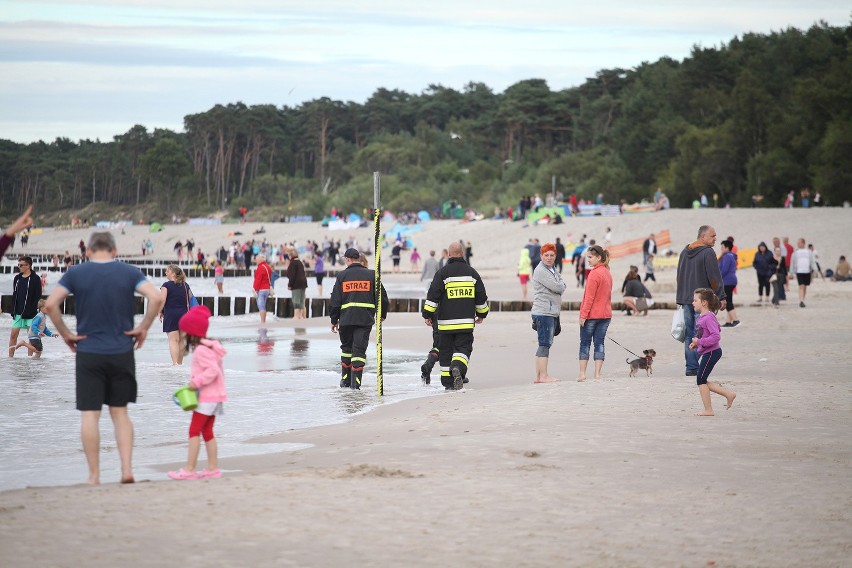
[[457, 299], [396, 255], [595, 310], [560, 255], [803, 266], [706, 343], [697, 267], [763, 266], [208, 378], [728, 268], [352, 308], [649, 247], [415, 260], [548, 288], [525, 271], [26, 292], [430, 267], [104, 343]]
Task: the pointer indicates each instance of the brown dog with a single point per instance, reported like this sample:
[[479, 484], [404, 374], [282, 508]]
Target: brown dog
[[642, 363]]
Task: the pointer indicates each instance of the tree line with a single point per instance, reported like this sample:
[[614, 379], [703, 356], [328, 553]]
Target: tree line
[[760, 115]]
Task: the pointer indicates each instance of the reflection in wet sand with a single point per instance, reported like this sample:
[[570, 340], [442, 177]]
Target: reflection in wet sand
[[264, 343], [352, 401]]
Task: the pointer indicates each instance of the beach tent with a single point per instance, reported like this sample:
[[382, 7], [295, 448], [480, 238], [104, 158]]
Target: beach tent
[[745, 257], [403, 230], [355, 218], [388, 217], [452, 210], [424, 215], [155, 228]]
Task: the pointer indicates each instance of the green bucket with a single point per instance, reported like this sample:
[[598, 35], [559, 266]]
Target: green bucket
[[186, 398]]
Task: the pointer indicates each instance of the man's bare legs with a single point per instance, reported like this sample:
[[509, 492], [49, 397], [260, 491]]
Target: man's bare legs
[[13, 340], [174, 348], [124, 439], [705, 391], [583, 364], [541, 375], [90, 434]]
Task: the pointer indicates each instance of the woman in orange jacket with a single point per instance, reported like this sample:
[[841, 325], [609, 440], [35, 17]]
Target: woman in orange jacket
[[596, 310]]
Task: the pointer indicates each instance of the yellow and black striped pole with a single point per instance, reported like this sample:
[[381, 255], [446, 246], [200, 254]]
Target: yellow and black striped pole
[[377, 240]]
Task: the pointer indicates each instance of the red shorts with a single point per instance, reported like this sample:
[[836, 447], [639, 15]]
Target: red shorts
[[524, 278]]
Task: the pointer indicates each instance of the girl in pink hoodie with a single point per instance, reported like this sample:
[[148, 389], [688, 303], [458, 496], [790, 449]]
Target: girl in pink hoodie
[[707, 339], [208, 378]]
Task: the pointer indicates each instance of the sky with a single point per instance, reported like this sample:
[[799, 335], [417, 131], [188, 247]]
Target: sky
[[93, 69]]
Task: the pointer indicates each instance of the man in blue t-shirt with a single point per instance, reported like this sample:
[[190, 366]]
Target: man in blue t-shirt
[[103, 290]]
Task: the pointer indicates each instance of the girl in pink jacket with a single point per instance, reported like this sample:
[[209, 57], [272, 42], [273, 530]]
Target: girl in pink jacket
[[208, 378], [708, 336]]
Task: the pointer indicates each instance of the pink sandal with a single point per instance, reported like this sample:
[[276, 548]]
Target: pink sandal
[[183, 474], [210, 474]]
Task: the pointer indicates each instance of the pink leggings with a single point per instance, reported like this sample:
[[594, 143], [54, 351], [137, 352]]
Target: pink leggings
[[201, 425]]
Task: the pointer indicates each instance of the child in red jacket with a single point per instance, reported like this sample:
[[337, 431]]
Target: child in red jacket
[[208, 378]]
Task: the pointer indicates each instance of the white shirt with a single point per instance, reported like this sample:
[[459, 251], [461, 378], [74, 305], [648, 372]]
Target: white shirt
[[801, 261]]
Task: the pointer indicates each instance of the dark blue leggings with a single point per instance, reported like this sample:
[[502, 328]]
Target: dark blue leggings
[[706, 364]]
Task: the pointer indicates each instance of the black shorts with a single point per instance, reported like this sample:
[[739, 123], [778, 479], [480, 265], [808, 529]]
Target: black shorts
[[105, 379], [729, 296], [804, 279], [320, 276], [36, 342], [395, 261]]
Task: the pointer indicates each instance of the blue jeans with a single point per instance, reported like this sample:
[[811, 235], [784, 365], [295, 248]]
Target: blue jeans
[[593, 329], [546, 327], [690, 355]]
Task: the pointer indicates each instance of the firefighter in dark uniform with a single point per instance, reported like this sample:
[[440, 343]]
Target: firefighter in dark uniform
[[457, 301], [353, 312]]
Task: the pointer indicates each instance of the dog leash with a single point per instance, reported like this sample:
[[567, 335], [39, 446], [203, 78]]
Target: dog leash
[[623, 347]]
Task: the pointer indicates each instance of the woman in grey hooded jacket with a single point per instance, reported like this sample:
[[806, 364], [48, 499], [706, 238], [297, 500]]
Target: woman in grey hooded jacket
[[548, 288]]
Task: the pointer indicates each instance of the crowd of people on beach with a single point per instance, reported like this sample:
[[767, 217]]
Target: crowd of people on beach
[[106, 334]]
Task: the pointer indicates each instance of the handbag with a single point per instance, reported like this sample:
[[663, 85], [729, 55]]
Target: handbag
[[678, 325], [191, 300], [272, 278], [641, 304]]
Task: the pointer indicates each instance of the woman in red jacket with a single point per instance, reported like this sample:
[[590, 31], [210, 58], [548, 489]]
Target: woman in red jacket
[[596, 310], [262, 284]]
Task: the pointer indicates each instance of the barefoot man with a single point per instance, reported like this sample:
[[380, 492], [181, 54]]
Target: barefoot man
[[103, 290]]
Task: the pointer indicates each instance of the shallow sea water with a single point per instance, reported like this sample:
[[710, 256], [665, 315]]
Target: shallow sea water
[[279, 380]]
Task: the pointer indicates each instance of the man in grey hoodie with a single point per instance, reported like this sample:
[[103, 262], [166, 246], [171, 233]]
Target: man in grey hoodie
[[697, 267]]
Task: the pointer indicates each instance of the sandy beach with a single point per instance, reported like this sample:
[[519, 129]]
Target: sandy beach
[[614, 472]]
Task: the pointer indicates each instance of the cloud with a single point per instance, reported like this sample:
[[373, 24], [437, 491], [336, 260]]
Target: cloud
[[102, 63]]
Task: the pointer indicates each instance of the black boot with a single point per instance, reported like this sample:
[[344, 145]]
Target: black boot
[[345, 379], [355, 383], [426, 368]]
